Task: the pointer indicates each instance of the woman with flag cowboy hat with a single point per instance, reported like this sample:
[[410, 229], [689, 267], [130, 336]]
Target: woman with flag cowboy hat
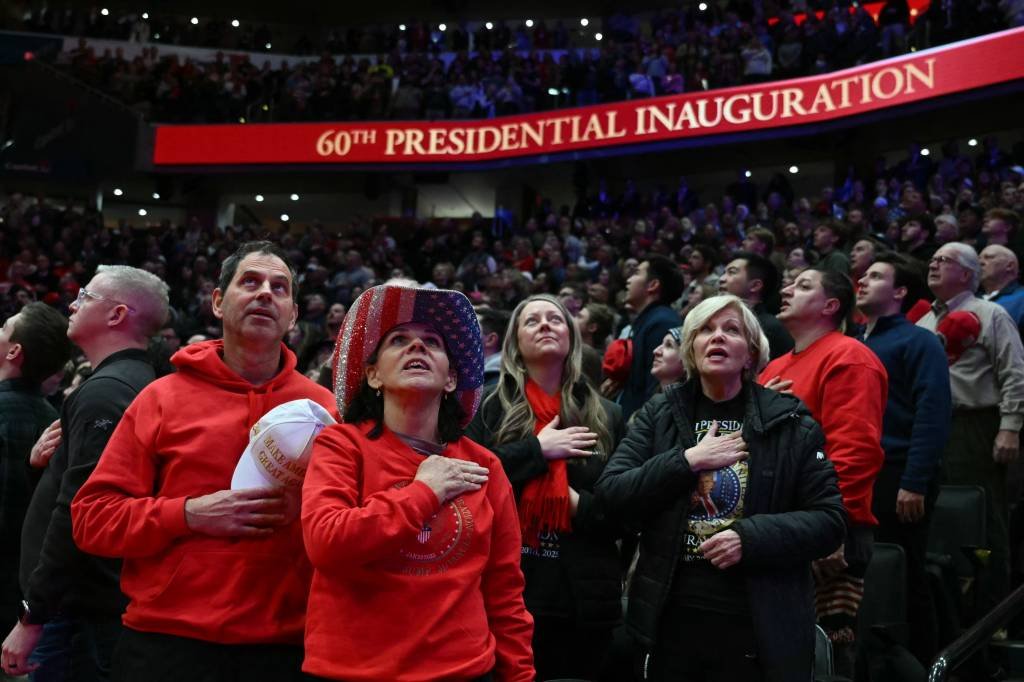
[[411, 528], [553, 434]]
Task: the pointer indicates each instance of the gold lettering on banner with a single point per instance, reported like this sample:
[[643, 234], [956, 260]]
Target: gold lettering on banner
[[640, 120]]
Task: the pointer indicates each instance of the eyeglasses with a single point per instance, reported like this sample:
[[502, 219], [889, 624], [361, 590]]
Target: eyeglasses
[[942, 260], [84, 293]]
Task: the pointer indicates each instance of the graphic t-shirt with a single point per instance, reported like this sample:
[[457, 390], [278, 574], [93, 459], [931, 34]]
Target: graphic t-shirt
[[715, 502]]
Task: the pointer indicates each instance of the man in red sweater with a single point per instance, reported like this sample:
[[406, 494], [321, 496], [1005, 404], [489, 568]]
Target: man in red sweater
[[216, 578], [845, 386]]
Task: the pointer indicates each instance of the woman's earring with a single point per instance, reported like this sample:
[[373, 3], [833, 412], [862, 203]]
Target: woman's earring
[[378, 393]]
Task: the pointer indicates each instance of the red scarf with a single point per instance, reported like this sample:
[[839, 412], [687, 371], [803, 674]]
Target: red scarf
[[544, 504]]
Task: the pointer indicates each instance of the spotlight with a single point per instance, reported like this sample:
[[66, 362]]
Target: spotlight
[[401, 27], [241, 119], [584, 22], [747, 174], [284, 218], [194, 21], [489, 26], [235, 23], [117, 192], [598, 37], [267, 46], [156, 36], [295, 197], [972, 142], [794, 170], [156, 195], [142, 211], [703, 7], [553, 92], [925, 151], [105, 11], [529, 23], [258, 198], [442, 27], [145, 15]]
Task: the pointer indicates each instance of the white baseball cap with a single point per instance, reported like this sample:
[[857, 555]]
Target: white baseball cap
[[279, 446]]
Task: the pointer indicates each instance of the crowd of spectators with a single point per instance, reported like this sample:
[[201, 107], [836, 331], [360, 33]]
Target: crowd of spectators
[[586, 252], [458, 73]]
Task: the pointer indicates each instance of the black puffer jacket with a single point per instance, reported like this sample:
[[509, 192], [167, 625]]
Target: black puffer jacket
[[589, 555], [793, 514]]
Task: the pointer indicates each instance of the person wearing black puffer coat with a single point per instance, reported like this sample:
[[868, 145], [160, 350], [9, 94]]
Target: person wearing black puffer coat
[[729, 523]]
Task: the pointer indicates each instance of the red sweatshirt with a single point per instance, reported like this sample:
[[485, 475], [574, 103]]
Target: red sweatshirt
[[406, 589], [844, 385], [181, 438]]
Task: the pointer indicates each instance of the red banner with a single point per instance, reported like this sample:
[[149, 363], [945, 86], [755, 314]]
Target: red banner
[[975, 63]]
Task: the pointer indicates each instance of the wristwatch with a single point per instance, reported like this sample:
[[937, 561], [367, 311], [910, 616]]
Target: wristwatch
[[25, 614]]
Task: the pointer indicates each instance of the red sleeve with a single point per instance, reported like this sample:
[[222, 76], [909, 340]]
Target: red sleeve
[[115, 513], [503, 584], [340, 526], [852, 404]]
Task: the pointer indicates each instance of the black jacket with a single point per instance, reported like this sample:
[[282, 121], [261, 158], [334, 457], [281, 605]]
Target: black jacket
[[56, 576], [590, 558], [793, 514]]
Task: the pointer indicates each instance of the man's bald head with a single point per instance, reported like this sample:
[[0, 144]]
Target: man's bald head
[[999, 267]]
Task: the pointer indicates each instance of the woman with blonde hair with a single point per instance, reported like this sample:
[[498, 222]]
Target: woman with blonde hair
[[730, 488], [553, 433]]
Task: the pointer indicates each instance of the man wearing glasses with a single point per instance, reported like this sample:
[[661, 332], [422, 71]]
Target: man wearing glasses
[[72, 602], [987, 383]]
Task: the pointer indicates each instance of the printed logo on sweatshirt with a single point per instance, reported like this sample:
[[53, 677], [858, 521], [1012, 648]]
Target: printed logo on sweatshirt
[[103, 424], [441, 541]]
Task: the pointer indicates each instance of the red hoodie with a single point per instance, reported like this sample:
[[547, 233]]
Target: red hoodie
[[844, 385], [406, 589], [181, 438]]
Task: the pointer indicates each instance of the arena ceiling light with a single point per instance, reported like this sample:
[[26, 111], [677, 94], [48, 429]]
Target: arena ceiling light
[[489, 26], [584, 22], [142, 211], [156, 195], [118, 192], [235, 23], [294, 197], [267, 46], [401, 27], [442, 27], [145, 15], [105, 11], [598, 37], [258, 198], [747, 174], [925, 151], [973, 142], [703, 7], [553, 92], [529, 23], [194, 21], [794, 170], [285, 218]]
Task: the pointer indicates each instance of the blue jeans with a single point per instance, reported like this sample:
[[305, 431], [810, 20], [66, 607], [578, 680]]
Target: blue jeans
[[75, 650]]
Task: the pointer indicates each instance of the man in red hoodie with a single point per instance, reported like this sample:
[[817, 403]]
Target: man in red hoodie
[[216, 578], [845, 386]]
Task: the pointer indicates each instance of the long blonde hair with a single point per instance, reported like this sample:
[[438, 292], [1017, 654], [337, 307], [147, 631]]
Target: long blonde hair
[[518, 420]]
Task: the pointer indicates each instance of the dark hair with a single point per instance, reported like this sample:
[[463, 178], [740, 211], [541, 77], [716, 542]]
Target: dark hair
[[907, 273], [759, 267], [925, 220], [494, 321], [667, 273], [43, 335], [368, 405], [230, 265], [840, 287], [604, 317], [708, 253]]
